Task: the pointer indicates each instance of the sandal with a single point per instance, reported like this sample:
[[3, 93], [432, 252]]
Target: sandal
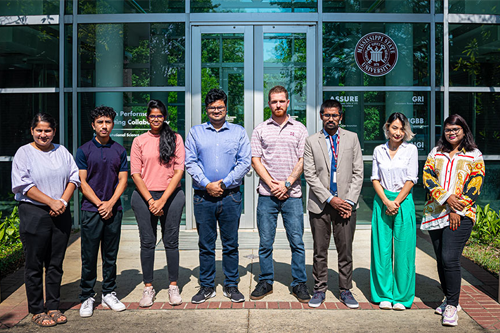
[[57, 316], [41, 318]]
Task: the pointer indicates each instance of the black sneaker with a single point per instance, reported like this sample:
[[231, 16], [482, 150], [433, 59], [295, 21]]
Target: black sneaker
[[234, 294], [300, 291], [261, 290], [203, 294]]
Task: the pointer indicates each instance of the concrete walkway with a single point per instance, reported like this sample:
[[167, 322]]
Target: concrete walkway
[[277, 312]]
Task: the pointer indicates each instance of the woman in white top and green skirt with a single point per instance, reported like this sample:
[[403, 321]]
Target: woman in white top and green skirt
[[395, 171]]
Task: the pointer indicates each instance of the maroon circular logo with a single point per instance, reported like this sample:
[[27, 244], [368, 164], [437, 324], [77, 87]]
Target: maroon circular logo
[[376, 54]]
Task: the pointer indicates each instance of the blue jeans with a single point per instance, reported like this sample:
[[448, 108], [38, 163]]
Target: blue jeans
[[227, 211], [268, 209]]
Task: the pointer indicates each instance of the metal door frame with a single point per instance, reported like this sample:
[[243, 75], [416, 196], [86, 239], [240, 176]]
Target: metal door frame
[[254, 96]]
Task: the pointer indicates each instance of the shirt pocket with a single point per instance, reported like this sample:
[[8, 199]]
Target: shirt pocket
[[230, 147]]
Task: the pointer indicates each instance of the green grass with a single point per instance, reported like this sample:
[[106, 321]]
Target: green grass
[[486, 256]]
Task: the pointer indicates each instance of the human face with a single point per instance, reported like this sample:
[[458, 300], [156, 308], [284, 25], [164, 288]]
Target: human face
[[454, 134], [156, 119], [278, 104], [396, 131], [331, 119], [216, 112], [103, 127], [43, 135]]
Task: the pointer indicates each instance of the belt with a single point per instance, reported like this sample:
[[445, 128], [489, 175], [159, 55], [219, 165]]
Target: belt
[[228, 191]]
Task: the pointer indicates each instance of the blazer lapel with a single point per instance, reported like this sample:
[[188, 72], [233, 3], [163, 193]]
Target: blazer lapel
[[324, 149], [341, 148]]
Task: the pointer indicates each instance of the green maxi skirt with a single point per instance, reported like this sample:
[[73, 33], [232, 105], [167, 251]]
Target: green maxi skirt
[[392, 269]]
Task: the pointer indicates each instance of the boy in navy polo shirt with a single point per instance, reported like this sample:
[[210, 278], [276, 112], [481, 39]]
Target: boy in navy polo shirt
[[103, 173]]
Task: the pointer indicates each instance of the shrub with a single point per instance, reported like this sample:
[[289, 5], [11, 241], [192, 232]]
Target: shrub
[[9, 229], [11, 258], [487, 228]]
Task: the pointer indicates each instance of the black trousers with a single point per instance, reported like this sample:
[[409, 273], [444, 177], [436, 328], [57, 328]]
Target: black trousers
[[44, 239], [170, 224], [448, 246], [97, 232]]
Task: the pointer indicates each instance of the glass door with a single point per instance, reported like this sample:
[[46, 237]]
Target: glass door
[[246, 61], [222, 57], [285, 56]]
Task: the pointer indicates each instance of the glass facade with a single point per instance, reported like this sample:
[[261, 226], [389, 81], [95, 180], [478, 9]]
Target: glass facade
[[177, 50]]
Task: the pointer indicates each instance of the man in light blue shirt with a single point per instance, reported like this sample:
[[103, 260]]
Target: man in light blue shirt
[[218, 156]]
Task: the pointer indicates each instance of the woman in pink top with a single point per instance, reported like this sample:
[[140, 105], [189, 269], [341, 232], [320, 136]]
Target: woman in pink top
[[157, 166]]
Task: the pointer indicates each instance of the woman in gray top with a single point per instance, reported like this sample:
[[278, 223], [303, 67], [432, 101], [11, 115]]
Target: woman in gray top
[[44, 176]]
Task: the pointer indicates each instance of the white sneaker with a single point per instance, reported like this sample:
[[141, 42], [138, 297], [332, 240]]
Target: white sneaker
[[450, 316], [440, 309], [87, 308], [174, 297], [148, 297], [385, 305], [399, 307], [111, 301]]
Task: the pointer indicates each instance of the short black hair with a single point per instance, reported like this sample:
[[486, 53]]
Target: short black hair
[[215, 95], [44, 117], [330, 104], [102, 111]]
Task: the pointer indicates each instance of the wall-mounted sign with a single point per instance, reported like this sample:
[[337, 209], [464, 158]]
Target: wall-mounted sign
[[376, 54]]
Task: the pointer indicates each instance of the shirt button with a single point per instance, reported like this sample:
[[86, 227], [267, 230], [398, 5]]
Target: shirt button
[[216, 170]]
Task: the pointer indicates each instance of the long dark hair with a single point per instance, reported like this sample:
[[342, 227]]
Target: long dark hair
[[43, 117], [467, 143], [167, 135]]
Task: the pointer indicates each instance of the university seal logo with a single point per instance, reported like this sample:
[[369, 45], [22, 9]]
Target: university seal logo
[[376, 54]]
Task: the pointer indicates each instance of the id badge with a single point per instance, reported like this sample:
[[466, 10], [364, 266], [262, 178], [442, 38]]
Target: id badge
[[335, 176]]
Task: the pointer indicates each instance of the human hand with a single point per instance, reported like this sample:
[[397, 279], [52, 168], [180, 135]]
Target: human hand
[[454, 221], [278, 188], [454, 204], [56, 208], [345, 215], [342, 206], [105, 209], [392, 208], [214, 189], [156, 207]]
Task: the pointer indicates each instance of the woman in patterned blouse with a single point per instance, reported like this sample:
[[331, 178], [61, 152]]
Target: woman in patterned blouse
[[454, 174]]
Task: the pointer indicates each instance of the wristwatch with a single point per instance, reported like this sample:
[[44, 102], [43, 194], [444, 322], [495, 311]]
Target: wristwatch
[[288, 185], [222, 185]]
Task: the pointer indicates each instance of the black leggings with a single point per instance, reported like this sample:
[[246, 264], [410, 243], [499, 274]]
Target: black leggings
[[448, 246], [44, 239], [169, 221]]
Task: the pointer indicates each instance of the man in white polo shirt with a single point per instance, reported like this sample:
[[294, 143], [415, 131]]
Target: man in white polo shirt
[[277, 157]]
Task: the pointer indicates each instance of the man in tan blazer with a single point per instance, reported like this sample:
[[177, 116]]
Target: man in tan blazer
[[333, 168]]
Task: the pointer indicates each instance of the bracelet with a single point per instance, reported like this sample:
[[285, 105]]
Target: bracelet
[[149, 199], [64, 202]]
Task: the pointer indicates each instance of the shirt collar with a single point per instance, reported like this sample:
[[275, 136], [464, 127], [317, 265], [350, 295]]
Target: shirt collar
[[289, 121], [403, 145], [328, 135], [211, 127], [99, 145]]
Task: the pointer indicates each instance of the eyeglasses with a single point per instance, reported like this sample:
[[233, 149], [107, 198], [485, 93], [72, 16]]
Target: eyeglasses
[[330, 115], [218, 108], [153, 117], [455, 130]]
